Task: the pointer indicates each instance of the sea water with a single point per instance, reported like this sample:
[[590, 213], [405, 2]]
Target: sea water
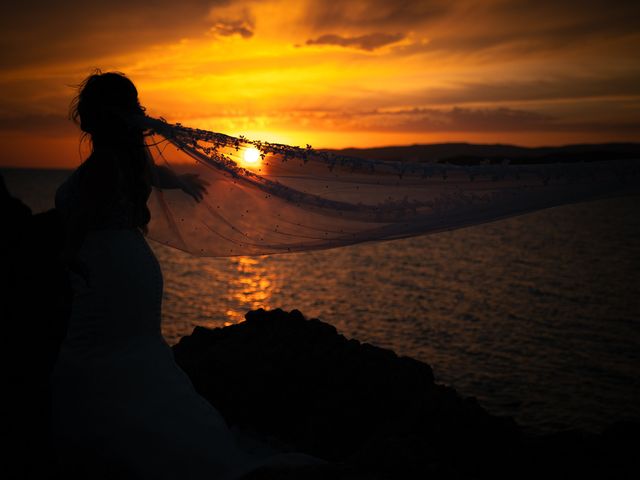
[[537, 316]]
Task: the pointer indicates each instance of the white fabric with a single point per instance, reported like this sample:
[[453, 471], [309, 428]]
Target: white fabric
[[299, 199], [122, 408]]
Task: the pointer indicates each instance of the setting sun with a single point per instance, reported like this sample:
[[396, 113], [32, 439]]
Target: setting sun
[[251, 157]]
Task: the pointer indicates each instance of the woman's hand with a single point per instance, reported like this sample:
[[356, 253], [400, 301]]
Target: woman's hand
[[193, 185]]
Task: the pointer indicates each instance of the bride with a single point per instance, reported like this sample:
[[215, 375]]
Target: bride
[[122, 408]]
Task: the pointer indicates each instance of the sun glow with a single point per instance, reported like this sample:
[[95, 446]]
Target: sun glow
[[251, 157]]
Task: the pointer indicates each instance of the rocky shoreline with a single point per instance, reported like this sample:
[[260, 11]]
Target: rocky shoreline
[[294, 383]]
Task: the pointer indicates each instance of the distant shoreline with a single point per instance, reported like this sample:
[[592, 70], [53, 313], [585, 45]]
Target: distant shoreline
[[472, 154], [461, 153]]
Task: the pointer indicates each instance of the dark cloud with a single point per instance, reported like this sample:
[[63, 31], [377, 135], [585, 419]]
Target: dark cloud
[[459, 119], [533, 38], [418, 120], [227, 28], [49, 125], [242, 23], [374, 14], [36, 32], [368, 42], [558, 88], [520, 27], [465, 120]]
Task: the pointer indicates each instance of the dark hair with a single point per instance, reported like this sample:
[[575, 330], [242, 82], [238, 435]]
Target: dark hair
[[115, 180], [103, 103]]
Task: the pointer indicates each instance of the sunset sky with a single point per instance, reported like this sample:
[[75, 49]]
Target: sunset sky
[[329, 73]]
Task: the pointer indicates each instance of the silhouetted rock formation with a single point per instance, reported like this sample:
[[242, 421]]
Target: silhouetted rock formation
[[379, 415], [35, 305]]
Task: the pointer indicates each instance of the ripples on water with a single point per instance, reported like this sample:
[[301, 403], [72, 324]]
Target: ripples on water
[[537, 316]]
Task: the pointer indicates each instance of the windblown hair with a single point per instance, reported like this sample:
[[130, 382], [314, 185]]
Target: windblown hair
[[114, 182]]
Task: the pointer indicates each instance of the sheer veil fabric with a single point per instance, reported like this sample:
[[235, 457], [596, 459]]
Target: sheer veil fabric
[[265, 198]]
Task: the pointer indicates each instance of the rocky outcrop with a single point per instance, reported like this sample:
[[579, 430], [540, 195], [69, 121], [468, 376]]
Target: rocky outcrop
[[36, 293], [376, 414], [35, 305]]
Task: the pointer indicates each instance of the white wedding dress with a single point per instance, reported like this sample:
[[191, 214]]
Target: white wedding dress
[[122, 408]]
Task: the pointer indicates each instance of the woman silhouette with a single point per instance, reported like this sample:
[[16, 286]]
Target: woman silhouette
[[122, 408]]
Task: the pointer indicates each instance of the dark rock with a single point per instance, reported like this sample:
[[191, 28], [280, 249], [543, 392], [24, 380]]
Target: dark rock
[[372, 413], [302, 382], [35, 305]]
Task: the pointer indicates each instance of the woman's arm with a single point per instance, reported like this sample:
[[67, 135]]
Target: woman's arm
[[190, 183], [163, 177]]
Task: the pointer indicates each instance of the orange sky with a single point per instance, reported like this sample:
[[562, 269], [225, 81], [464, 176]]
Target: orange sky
[[332, 74]]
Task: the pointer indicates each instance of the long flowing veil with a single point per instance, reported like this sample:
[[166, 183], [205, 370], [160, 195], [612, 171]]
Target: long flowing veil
[[265, 198]]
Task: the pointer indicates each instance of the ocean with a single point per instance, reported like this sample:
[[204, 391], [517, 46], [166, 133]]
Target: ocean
[[537, 316]]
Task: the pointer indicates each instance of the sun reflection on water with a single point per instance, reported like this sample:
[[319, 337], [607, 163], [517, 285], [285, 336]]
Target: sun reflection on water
[[250, 289]]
